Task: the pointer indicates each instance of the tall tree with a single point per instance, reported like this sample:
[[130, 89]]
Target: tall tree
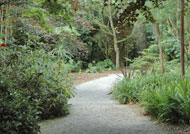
[[115, 35], [115, 41], [105, 21], [182, 40], [157, 30]]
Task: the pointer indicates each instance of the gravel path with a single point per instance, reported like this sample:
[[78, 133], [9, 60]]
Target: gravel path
[[93, 111]]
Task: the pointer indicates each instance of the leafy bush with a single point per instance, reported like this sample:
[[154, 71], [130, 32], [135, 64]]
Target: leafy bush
[[171, 48], [94, 69], [165, 97], [129, 90], [17, 115], [106, 64], [72, 66], [100, 66], [40, 80], [148, 57], [168, 99], [125, 92]]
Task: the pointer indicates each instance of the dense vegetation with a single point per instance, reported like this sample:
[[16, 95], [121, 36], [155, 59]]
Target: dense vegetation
[[34, 79], [164, 96], [43, 41], [160, 89]]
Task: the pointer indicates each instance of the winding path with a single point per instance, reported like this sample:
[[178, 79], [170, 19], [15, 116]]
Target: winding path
[[93, 111]]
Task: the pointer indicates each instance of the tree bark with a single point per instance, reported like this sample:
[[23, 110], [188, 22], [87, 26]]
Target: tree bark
[[157, 30], [116, 48], [182, 40], [6, 23], [2, 13]]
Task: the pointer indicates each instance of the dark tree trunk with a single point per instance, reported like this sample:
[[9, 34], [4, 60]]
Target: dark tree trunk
[[182, 41]]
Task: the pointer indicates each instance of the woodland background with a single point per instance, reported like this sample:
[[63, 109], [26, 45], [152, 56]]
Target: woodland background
[[43, 41]]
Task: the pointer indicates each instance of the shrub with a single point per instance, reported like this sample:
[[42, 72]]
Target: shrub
[[125, 91], [73, 66], [100, 66], [168, 99], [171, 48], [106, 64], [147, 59], [39, 85], [165, 97], [94, 69], [129, 90], [17, 115]]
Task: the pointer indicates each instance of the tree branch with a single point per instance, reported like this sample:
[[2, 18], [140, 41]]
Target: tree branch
[[104, 28], [119, 41]]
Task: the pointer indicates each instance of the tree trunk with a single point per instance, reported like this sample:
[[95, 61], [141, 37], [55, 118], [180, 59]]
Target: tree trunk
[[182, 40], [6, 23], [157, 30], [117, 52], [116, 48], [2, 13]]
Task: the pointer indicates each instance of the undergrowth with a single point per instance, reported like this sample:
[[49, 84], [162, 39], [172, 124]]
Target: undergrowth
[[100, 66], [166, 97]]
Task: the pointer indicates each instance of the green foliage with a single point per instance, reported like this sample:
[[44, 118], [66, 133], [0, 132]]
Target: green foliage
[[165, 97], [100, 66], [37, 14], [16, 113], [72, 66], [126, 91], [57, 8], [37, 78], [34, 79], [171, 48], [147, 59], [168, 99]]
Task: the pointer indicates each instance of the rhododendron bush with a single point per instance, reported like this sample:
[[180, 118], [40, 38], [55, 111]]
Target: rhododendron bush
[[33, 84]]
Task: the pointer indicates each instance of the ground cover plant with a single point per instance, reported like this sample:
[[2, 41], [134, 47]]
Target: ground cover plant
[[165, 97], [168, 100]]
